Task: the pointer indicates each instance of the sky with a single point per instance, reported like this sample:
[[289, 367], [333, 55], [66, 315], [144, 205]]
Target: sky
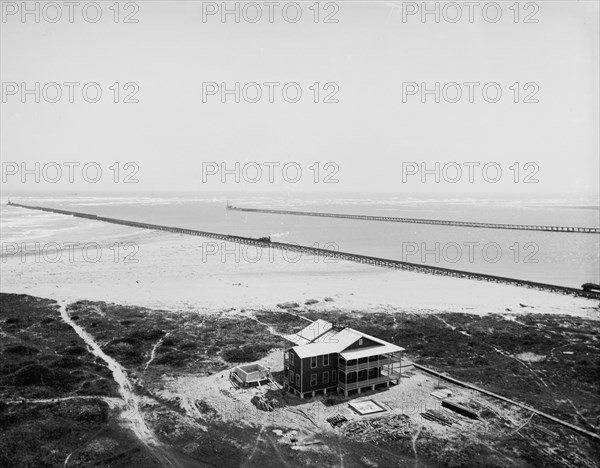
[[375, 134]]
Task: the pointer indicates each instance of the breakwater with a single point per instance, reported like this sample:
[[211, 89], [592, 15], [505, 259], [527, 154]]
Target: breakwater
[[351, 257], [441, 222]]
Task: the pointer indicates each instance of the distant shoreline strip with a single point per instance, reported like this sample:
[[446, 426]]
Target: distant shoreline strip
[[356, 258], [440, 222]]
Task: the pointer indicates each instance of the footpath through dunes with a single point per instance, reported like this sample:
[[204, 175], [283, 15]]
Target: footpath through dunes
[[132, 415], [348, 256], [440, 222]]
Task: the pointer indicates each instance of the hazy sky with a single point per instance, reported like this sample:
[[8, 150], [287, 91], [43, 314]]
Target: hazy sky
[[370, 135]]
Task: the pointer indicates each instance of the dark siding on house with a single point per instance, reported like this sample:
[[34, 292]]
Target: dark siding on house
[[319, 370], [296, 368]]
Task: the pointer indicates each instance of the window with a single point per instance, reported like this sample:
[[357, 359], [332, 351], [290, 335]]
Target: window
[[313, 380], [326, 360], [297, 380], [325, 377], [360, 342], [313, 362], [291, 358], [333, 376], [292, 376]]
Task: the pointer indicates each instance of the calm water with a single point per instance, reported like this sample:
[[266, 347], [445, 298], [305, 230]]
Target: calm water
[[558, 258]]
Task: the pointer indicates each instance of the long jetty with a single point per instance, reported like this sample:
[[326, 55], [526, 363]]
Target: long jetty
[[440, 222], [351, 257]]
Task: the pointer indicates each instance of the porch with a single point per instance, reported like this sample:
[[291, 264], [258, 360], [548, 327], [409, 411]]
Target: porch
[[360, 369]]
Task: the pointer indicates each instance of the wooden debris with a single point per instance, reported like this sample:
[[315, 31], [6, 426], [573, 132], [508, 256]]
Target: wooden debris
[[460, 409], [441, 394], [264, 403], [389, 428], [439, 417], [337, 420]]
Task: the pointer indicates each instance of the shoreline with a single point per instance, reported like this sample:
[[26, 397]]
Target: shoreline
[[181, 272], [265, 242]]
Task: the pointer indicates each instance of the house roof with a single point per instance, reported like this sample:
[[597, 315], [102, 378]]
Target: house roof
[[313, 349], [310, 333], [370, 337], [370, 351], [335, 341]]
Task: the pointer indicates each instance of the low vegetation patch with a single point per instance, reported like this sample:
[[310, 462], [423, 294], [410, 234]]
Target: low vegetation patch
[[180, 341], [43, 357], [46, 378]]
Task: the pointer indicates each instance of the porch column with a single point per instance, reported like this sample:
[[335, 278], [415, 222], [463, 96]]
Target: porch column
[[400, 369], [390, 365]]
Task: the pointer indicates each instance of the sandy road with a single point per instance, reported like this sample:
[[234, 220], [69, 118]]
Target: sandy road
[[131, 414]]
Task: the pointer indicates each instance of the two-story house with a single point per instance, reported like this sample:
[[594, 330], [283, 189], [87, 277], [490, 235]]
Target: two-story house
[[329, 358]]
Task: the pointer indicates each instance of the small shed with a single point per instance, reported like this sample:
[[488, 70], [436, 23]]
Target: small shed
[[250, 374]]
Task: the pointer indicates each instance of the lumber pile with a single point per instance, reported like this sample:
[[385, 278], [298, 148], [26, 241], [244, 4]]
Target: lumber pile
[[441, 394], [337, 420], [460, 409], [444, 418]]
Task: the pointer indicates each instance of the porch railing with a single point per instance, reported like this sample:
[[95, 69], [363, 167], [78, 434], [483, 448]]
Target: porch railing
[[366, 365], [368, 382]]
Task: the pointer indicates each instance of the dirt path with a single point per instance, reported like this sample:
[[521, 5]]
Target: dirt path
[[414, 445], [258, 440], [131, 413], [153, 352]]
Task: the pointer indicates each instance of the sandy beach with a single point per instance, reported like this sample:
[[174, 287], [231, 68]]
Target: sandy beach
[[163, 270]]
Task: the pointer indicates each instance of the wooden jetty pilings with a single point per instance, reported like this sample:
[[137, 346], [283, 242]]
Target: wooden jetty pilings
[[441, 222], [351, 257]]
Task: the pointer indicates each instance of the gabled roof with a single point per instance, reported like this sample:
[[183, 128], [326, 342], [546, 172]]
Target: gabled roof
[[339, 339], [313, 349], [334, 341], [376, 340], [310, 333]]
